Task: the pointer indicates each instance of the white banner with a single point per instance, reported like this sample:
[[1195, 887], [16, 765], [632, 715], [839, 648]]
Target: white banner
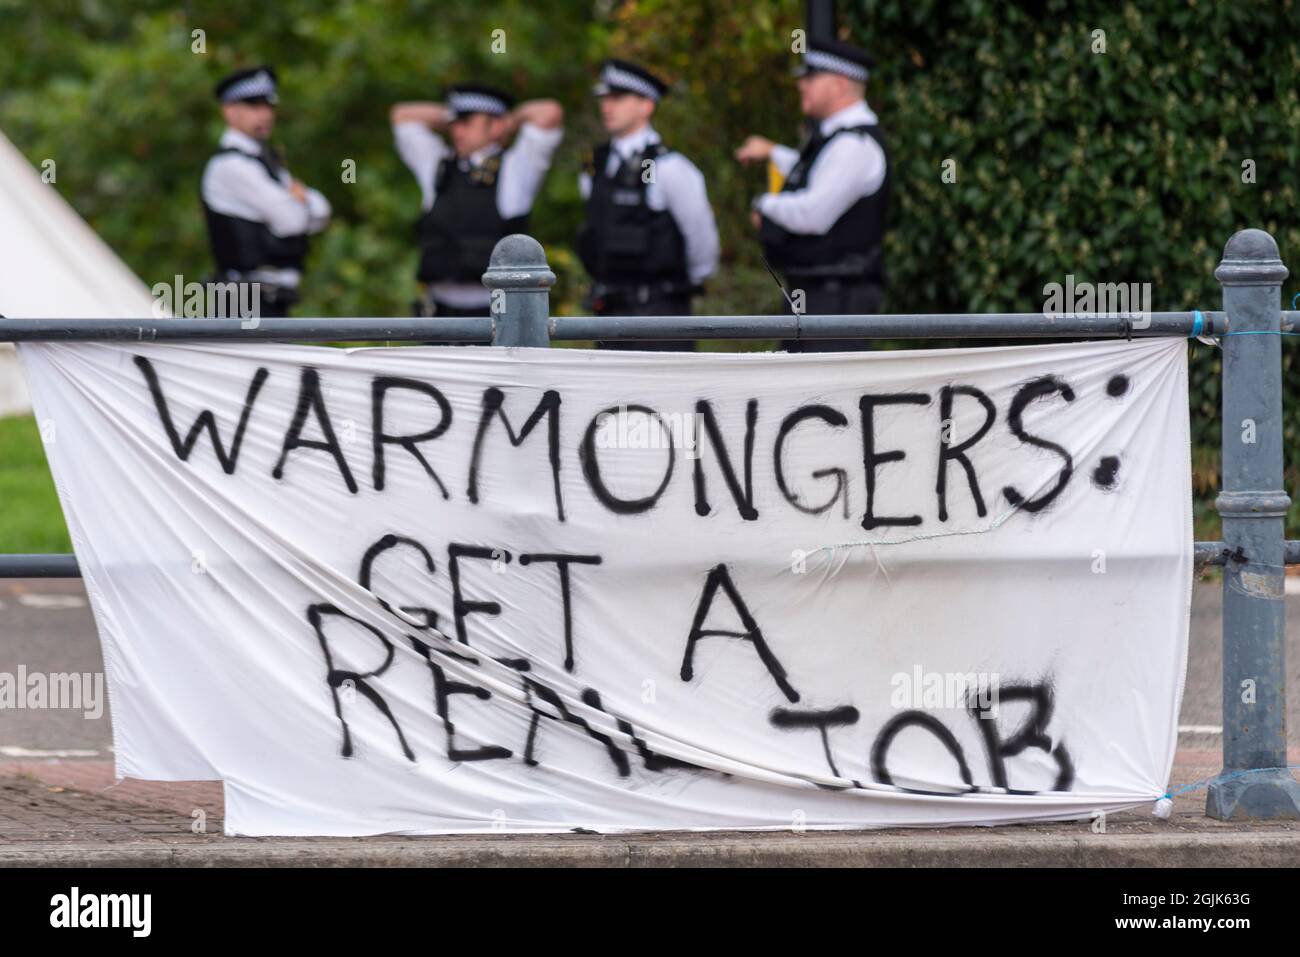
[[427, 590]]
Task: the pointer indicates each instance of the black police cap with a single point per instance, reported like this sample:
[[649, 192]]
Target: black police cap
[[466, 98], [254, 85], [624, 76]]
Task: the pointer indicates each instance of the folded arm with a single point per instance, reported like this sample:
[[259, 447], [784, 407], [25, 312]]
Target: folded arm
[[848, 169]]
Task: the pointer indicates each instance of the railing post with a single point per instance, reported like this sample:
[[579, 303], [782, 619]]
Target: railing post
[[1253, 506], [520, 281]]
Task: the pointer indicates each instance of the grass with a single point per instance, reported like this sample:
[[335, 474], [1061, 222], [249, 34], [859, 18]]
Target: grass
[[30, 517]]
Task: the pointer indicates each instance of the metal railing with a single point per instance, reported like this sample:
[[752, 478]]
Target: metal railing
[[1254, 782]]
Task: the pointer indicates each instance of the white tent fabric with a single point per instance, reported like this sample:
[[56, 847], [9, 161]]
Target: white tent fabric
[[52, 266]]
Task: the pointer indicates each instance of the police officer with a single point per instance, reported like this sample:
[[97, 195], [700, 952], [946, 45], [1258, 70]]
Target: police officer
[[650, 239], [259, 217], [475, 192], [824, 229]]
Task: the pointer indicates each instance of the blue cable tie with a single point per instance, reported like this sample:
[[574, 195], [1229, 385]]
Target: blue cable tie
[[1197, 785], [1198, 328]]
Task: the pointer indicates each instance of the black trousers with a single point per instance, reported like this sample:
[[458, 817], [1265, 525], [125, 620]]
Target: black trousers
[[445, 311], [662, 306], [269, 306], [461, 312], [836, 297], [275, 310]]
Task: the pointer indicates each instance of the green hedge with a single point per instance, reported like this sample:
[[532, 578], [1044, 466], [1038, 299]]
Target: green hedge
[[1117, 167]]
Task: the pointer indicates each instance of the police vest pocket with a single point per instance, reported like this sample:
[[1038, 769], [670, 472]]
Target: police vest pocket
[[627, 240]]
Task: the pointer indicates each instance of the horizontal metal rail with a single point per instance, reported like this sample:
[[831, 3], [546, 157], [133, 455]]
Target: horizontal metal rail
[[1007, 325], [65, 566], [1010, 325], [190, 330], [39, 566]]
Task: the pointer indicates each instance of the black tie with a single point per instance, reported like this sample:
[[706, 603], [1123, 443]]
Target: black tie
[[814, 140], [271, 159]]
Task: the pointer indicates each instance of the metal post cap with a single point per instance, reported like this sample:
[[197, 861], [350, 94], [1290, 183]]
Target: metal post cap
[[1250, 258], [518, 262]]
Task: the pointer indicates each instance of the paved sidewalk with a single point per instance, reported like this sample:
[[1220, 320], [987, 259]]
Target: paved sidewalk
[[71, 813]]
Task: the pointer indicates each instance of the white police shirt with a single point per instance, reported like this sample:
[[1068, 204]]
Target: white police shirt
[[848, 168], [237, 185], [523, 169], [679, 187]]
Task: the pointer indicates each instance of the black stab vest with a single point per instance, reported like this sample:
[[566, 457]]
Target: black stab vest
[[625, 241], [459, 232], [243, 245], [852, 247]]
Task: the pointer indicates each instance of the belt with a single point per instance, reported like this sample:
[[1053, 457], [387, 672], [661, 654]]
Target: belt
[[270, 291], [608, 295], [865, 268], [427, 305], [834, 282]]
